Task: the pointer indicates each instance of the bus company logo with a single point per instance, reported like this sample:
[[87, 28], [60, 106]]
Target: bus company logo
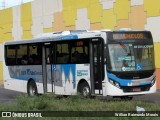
[[29, 72], [82, 72], [6, 114]]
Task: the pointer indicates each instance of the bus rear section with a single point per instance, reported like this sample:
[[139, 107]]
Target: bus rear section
[[130, 67]]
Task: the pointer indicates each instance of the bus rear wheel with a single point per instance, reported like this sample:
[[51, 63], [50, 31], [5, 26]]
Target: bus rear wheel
[[32, 88], [85, 90]]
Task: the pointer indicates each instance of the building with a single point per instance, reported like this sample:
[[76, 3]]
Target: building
[[40, 16]]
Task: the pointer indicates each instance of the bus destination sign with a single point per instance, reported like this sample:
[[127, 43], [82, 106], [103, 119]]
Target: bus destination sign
[[129, 36]]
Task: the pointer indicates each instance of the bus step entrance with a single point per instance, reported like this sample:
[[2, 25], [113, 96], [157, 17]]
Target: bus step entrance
[[98, 92]]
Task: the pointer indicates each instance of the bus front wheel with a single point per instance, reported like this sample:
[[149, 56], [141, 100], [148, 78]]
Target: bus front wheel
[[32, 88]]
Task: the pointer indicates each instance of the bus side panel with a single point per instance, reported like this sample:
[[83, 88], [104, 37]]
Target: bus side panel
[[64, 76], [67, 76], [83, 73], [16, 77], [11, 83], [16, 85]]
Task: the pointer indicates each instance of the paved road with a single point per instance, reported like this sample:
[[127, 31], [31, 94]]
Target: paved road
[[8, 96], [154, 98]]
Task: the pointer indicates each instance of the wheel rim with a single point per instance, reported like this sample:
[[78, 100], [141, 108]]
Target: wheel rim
[[86, 91], [32, 90]]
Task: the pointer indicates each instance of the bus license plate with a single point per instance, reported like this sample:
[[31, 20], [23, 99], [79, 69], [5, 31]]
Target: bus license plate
[[136, 89]]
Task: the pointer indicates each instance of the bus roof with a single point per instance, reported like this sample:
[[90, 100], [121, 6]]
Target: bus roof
[[69, 35], [58, 36]]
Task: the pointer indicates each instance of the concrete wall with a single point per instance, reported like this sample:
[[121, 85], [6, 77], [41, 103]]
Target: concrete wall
[[40, 16]]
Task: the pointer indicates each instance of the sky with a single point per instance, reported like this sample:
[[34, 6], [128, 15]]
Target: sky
[[10, 3]]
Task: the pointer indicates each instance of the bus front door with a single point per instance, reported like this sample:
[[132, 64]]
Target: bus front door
[[97, 70]]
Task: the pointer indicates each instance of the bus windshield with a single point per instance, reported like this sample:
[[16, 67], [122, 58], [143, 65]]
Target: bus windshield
[[131, 57]]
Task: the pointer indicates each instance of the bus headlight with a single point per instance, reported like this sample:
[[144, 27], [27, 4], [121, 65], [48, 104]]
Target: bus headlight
[[153, 81], [116, 84], [111, 81]]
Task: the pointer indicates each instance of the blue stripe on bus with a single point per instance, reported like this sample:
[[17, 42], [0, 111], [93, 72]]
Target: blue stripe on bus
[[69, 37], [67, 68], [21, 78], [124, 82], [120, 31]]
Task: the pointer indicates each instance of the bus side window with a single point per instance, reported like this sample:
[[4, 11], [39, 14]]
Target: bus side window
[[35, 54], [62, 53], [80, 52], [22, 56], [75, 57], [32, 59], [24, 60], [38, 60], [11, 55]]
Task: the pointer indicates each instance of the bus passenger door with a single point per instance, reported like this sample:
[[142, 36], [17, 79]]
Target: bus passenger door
[[97, 69], [48, 68]]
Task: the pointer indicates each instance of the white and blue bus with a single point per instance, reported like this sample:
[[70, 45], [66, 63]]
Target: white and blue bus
[[108, 63]]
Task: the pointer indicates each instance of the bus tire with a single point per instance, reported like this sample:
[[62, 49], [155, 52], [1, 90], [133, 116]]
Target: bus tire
[[85, 90], [32, 89]]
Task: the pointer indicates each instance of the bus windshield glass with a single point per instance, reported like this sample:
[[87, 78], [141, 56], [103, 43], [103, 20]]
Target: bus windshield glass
[[131, 57]]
